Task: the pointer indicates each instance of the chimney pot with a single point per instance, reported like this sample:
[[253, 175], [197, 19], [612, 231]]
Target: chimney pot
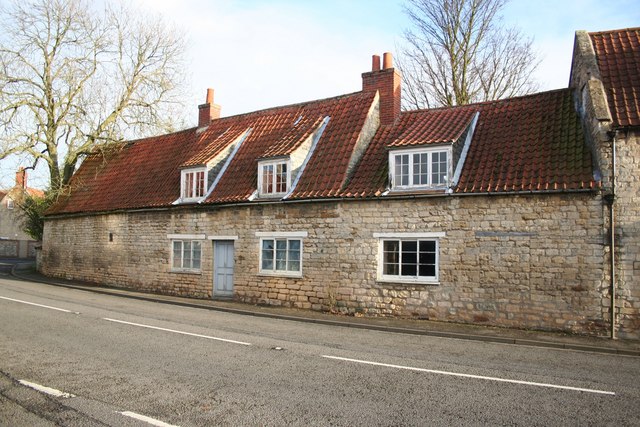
[[387, 61], [375, 63], [209, 96]]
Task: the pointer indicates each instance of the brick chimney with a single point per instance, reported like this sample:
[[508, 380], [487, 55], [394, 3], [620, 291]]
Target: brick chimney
[[387, 82], [21, 178], [208, 111]]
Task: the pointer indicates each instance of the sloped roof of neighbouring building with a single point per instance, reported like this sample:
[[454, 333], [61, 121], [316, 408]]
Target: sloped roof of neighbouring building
[[618, 57], [530, 143]]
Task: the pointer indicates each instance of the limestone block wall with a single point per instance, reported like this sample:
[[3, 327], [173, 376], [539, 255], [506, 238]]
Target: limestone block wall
[[627, 219], [535, 261]]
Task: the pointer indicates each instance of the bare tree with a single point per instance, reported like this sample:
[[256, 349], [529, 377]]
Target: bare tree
[[75, 79], [458, 53]]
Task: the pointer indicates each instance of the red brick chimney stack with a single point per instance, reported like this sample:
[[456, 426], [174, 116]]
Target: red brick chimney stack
[[387, 83], [21, 178], [208, 111]]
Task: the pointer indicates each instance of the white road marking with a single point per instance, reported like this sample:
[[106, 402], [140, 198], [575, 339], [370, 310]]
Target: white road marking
[[146, 419], [480, 377], [40, 305], [46, 390], [176, 332]]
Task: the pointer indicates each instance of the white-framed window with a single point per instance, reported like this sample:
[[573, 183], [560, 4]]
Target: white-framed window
[[420, 168], [193, 184], [274, 177], [281, 253], [408, 257], [186, 252], [10, 203]]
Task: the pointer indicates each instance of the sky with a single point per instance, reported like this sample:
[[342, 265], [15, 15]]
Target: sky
[[258, 54]]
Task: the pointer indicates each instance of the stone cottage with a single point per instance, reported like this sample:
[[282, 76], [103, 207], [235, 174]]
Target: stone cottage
[[501, 213], [15, 243]]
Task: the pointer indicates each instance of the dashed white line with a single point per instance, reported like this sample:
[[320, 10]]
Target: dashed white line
[[480, 377], [146, 419], [47, 390], [39, 305], [176, 332]]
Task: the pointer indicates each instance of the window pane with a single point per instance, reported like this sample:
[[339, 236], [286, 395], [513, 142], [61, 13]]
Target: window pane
[[199, 190], [439, 168], [281, 255], [427, 271], [197, 254], [405, 169], [188, 185], [294, 255], [409, 258], [267, 179], [186, 254], [177, 254], [281, 178], [391, 256], [267, 254], [294, 266], [427, 258], [420, 172]]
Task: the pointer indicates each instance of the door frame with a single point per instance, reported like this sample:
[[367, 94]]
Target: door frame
[[214, 239]]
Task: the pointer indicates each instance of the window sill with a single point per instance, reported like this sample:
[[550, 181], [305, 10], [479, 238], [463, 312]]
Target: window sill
[[280, 274], [430, 282], [402, 190], [185, 271]]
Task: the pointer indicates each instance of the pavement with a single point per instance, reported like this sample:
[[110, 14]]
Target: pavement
[[558, 340]]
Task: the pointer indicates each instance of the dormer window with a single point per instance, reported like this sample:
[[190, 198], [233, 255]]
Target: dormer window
[[274, 177], [10, 203], [194, 184], [420, 168]]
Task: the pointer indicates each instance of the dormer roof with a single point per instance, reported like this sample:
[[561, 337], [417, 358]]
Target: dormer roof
[[437, 126]]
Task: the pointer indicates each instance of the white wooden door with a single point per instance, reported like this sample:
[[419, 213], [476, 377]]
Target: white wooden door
[[223, 268]]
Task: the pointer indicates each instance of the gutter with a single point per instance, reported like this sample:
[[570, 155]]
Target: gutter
[[212, 206]]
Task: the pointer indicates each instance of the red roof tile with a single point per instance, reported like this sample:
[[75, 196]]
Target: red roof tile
[[618, 56], [143, 173], [273, 134], [531, 143], [444, 125]]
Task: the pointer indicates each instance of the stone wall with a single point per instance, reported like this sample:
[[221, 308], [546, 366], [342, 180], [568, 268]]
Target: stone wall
[[535, 261], [627, 231]]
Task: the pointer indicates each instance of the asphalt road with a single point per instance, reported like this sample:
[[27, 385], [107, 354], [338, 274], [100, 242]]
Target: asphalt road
[[122, 360]]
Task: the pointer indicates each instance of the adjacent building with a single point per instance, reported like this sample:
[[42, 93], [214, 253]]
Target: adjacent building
[[15, 243], [517, 212]]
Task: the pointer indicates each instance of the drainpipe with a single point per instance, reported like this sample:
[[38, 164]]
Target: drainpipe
[[610, 199]]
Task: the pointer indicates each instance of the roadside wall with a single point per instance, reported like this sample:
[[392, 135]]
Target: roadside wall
[[532, 261]]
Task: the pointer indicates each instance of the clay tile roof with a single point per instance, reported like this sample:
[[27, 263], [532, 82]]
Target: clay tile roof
[[213, 141], [437, 126], [143, 173], [146, 173], [277, 132], [618, 56], [530, 143]]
